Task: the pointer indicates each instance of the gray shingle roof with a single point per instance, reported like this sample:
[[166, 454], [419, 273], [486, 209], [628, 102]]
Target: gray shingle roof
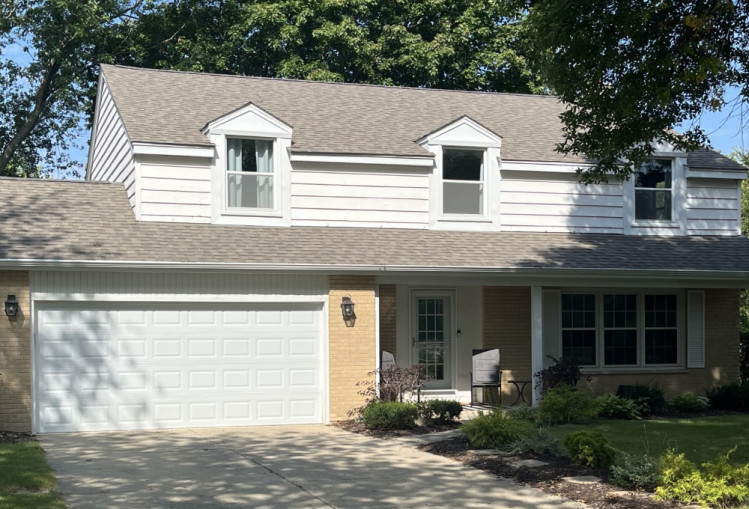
[[171, 107], [88, 221]]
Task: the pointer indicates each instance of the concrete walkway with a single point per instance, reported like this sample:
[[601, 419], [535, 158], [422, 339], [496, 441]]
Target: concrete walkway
[[301, 466]]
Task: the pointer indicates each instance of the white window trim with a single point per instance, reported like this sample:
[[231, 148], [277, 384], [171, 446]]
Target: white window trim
[[489, 219], [677, 225], [270, 129], [252, 211], [641, 366], [484, 194]]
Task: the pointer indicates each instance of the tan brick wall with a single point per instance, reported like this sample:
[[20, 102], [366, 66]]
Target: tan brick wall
[[15, 354], [351, 349], [507, 326], [721, 354], [387, 319]]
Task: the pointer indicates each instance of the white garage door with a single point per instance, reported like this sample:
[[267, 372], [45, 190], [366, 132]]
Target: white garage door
[[135, 366]]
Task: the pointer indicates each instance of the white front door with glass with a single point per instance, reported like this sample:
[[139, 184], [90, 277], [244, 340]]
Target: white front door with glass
[[432, 337]]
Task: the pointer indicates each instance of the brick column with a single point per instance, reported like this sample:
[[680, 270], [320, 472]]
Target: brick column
[[351, 349], [507, 326], [15, 354], [387, 319]]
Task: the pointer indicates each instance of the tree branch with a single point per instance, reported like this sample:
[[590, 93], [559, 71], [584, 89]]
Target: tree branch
[[40, 101]]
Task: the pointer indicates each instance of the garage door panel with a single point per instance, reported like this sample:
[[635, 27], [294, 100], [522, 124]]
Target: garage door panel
[[138, 366]]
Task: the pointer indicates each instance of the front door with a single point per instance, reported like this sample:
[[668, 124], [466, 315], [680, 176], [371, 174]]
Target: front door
[[432, 336]]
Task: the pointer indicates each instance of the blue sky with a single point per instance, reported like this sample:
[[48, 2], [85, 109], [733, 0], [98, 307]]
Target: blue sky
[[727, 129]]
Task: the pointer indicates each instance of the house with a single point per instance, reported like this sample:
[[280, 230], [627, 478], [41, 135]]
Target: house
[[197, 277]]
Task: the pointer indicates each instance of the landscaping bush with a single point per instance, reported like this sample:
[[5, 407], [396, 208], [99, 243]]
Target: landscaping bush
[[540, 441], [389, 415], [690, 402], [589, 448], [716, 484], [635, 471], [561, 372], [614, 407], [649, 399], [565, 404], [733, 397], [494, 430], [441, 410], [524, 413]]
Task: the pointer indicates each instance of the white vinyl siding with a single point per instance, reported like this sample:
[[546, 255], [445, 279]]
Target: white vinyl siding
[[174, 189], [174, 286], [713, 207], [556, 202], [112, 154], [378, 197]]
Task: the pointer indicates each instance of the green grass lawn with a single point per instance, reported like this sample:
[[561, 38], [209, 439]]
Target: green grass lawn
[[699, 438], [26, 481]]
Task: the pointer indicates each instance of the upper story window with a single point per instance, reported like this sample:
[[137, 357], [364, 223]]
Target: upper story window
[[463, 181], [250, 174], [654, 191]]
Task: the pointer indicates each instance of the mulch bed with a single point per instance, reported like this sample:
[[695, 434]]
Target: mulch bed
[[356, 426], [548, 478], [14, 437]]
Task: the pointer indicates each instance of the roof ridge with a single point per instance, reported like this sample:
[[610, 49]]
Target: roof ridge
[[59, 181], [341, 83]]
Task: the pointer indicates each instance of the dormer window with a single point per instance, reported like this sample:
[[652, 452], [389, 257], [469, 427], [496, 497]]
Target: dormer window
[[462, 181], [250, 175], [654, 191]]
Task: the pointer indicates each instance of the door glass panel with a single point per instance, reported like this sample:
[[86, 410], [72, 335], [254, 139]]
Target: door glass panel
[[432, 339]]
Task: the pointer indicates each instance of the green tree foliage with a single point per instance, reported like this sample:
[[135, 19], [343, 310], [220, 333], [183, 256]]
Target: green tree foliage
[[461, 44], [631, 70], [50, 49], [742, 156]]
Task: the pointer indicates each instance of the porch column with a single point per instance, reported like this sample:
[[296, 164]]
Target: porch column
[[537, 325]]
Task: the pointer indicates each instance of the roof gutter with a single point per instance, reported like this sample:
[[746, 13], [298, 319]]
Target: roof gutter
[[738, 277]]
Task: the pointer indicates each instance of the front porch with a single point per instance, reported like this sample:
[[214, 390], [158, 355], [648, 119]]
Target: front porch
[[440, 326]]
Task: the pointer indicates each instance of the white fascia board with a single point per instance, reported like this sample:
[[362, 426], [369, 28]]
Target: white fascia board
[[738, 279], [154, 149], [545, 167], [280, 129], [426, 162], [717, 174], [496, 140]]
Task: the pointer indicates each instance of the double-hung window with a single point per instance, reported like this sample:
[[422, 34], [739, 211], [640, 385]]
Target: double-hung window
[[250, 176], [463, 181], [654, 191], [620, 329]]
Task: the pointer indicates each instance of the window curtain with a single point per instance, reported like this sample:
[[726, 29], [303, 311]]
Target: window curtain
[[235, 164], [264, 161]]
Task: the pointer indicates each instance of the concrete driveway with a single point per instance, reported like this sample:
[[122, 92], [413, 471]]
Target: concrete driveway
[[300, 466]]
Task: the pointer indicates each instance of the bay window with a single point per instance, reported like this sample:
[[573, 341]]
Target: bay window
[[621, 329]]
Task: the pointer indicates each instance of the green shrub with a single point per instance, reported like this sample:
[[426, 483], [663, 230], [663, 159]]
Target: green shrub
[[589, 448], [717, 484], [494, 430], [389, 415], [649, 399], [733, 397], [524, 413], [565, 404], [635, 472], [690, 402], [441, 410], [614, 407], [540, 441]]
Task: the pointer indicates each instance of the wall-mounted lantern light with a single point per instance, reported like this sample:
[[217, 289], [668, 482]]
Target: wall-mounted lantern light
[[11, 306], [347, 310]]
